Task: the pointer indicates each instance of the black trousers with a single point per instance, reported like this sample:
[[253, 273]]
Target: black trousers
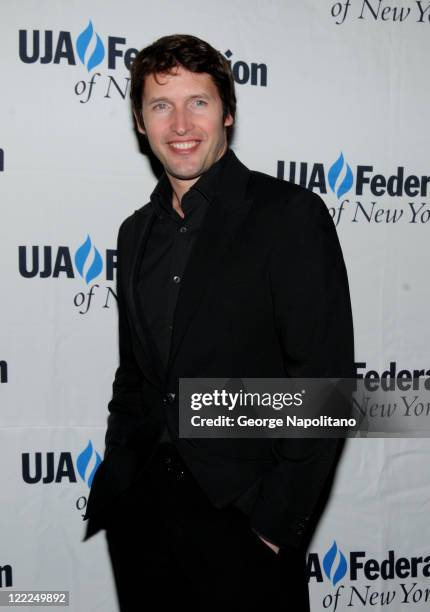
[[170, 546]]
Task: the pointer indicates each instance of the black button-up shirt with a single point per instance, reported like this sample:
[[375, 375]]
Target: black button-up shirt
[[164, 263], [167, 252]]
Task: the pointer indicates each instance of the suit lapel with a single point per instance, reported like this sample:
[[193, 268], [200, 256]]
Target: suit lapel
[[223, 219], [150, 358]]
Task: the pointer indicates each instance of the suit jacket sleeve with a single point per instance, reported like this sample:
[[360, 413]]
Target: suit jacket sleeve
[[125, 407], [313, 318]]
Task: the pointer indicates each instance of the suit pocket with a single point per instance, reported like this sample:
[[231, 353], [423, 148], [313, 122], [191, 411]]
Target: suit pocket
[[117, 471], [263, 548]]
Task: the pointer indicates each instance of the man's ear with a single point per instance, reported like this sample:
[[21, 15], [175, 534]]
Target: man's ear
[[139, 123], [228, 120]]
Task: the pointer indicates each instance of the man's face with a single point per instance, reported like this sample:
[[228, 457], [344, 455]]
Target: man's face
[[182, 116]]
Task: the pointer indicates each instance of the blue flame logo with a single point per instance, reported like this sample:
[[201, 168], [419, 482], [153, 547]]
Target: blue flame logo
[[81, 257], [82, 44], [334, 174], [328, 563], [83, 462]]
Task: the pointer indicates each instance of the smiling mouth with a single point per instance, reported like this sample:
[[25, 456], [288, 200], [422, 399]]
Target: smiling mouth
[[184, 146]]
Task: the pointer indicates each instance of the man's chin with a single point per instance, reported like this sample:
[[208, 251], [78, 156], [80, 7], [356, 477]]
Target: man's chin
[[184, 174]]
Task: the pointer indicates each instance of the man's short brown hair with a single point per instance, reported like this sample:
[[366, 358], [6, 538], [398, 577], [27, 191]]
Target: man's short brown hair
[[191, 53]]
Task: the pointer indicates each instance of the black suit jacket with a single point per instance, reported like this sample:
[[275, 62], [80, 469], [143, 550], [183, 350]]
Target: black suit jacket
[[264, 294]]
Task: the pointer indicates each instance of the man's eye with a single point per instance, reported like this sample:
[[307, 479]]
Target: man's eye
[[160, 106], [200, 103]]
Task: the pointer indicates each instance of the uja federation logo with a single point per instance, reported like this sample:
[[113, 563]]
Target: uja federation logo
[[334, 564], [48, 261], [48, 47], [340, 183], [56, 467], [358, 580], [50, 467], [81, 257], [83, 43], [366, 184], [86, 262]]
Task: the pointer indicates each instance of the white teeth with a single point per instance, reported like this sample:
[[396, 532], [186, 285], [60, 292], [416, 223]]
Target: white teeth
[[184, 145]]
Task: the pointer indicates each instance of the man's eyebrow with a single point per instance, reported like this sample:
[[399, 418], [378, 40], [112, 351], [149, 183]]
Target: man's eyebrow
[[201, 95], [192, 97], [152, 100]]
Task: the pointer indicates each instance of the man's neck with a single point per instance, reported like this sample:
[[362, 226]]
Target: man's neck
[[179, 189], [181, 186]]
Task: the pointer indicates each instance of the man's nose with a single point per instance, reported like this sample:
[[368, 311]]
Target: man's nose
[[182, 122]]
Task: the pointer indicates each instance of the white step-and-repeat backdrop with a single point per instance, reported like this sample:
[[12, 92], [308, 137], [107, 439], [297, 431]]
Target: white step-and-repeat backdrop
[[333, 95]]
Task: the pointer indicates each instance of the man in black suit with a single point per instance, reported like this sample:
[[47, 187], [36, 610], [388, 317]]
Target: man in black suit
[[226, 273]]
